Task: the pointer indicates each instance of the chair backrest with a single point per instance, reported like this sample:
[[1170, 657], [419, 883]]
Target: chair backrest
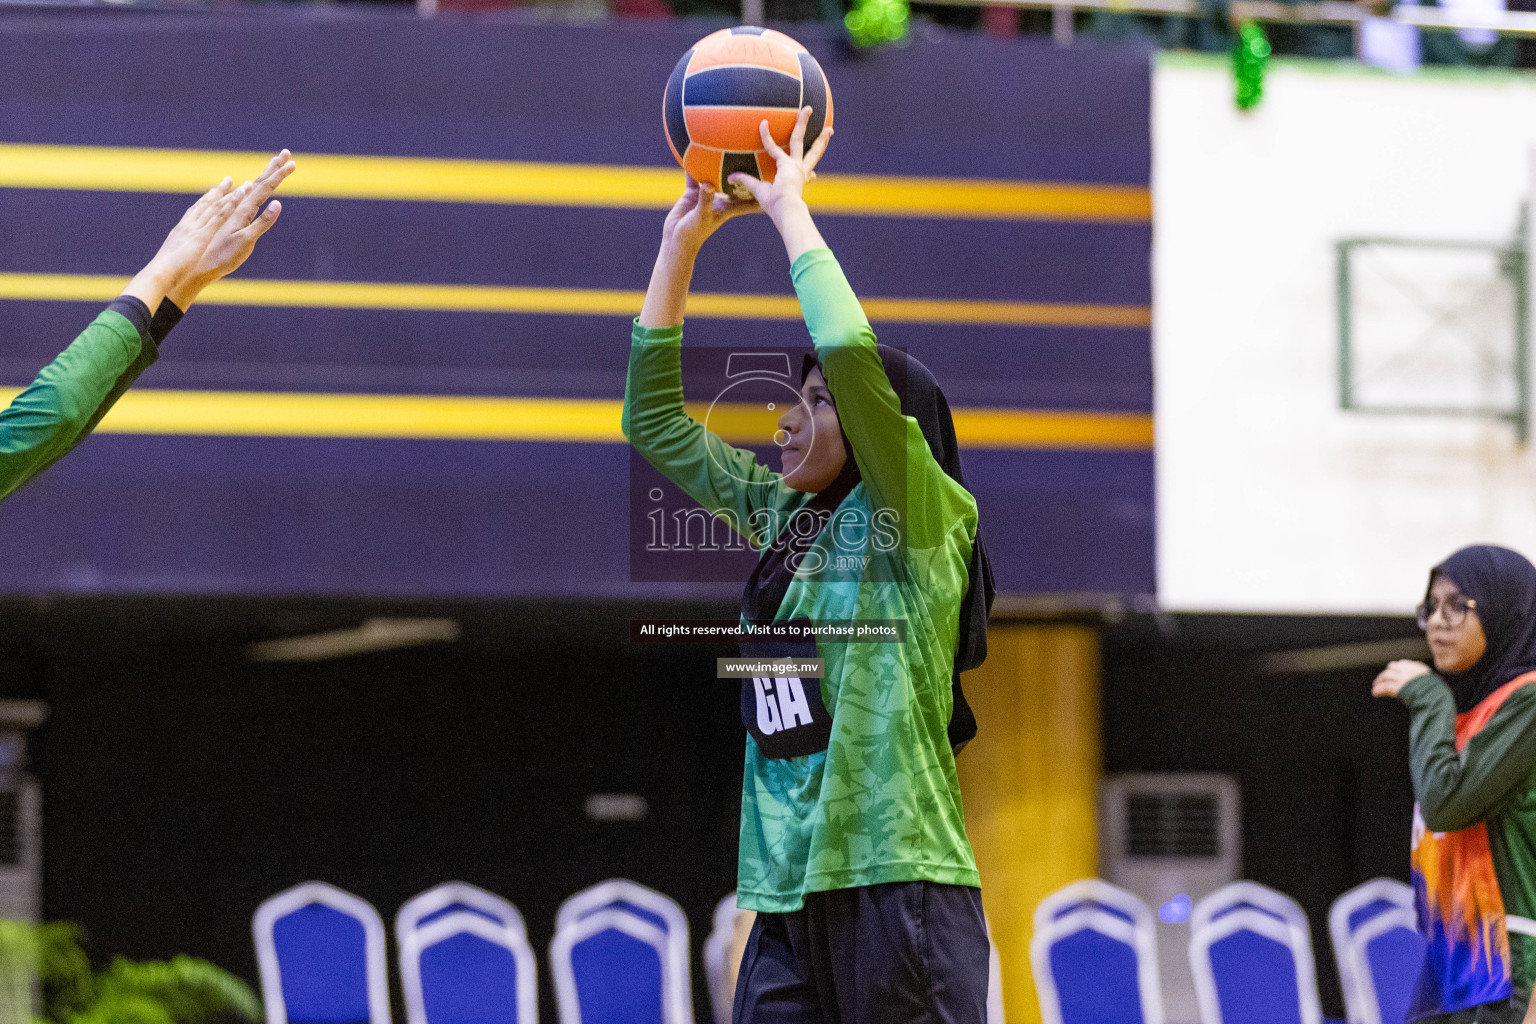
[[717, 949], [1094, 955], [454, 897], [1389, 955], [620, 953], [320, 950], [465, 959], [1520, 925], [1378, 968], [609, 968], [1250, 949]]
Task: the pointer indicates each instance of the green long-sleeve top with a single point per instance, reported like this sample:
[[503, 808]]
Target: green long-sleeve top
[[71, 395], [882, 802], [1490, 781]]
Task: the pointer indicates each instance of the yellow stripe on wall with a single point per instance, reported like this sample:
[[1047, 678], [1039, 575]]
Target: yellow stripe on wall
[[125, 169], [464, 298], [465, 418], [1013, 428]]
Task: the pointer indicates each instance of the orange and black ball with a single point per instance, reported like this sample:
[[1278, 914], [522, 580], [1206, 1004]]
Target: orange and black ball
[[725, 86]]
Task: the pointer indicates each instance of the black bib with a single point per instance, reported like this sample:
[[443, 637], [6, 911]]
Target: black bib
[[784, 715]]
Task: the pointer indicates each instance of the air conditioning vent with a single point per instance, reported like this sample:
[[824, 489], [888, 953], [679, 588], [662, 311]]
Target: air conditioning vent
[[1171, 838], [1172, 825]]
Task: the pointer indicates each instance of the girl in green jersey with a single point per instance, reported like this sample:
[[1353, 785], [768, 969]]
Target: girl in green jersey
[[853, 846]]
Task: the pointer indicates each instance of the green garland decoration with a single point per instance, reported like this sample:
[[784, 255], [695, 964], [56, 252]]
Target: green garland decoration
[[1250, 56], [878, 22]]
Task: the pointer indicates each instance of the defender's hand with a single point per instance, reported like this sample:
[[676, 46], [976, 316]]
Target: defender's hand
[[234, 236], [184, 246]]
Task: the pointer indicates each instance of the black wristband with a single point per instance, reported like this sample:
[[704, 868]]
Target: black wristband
[[134, 311], [166, 317]]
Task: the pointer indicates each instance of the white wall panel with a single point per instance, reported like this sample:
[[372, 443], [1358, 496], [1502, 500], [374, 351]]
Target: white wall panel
[[1270, 497]]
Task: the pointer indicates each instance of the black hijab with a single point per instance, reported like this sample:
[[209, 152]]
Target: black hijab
[[923, 400], [1503, 583]]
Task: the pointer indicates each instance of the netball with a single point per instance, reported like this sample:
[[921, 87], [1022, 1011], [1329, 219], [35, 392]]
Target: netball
[[725, 86]]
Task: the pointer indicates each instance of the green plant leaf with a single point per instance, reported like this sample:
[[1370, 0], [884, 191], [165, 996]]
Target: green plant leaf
[[192, 991], [64, 970], [125, 1008]]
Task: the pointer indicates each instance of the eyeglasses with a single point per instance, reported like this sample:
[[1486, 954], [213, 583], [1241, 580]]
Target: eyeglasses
[[1453, 610]]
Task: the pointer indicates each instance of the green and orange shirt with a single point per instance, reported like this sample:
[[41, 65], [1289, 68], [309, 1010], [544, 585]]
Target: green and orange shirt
[[1474, 849]]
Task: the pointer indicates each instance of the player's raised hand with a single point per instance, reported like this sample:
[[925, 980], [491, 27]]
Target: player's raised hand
[[693, 218], [698, 214], [184, 246], [234, 237], [794, 167]]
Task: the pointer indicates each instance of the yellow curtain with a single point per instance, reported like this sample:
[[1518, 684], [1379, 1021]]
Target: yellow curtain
[[1030, 781]]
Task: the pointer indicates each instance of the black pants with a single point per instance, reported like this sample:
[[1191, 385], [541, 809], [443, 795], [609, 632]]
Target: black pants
[[900, 953]]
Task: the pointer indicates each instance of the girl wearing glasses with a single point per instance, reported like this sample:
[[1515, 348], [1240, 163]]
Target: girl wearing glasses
[[1472, 748]]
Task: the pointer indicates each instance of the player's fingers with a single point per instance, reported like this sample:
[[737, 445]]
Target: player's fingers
[[215, 216], [797, 137], [262, 224], [741, 179], [274, 167], [221, 208], [707, 198], [229, 211], [206, 203], [252, 195], [740, 206], [773, 148], [817, 149], [276, 171], [728, 203], [279, 176], [218, 191], [260, 187]]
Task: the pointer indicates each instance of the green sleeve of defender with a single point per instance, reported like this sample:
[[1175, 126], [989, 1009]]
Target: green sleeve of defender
[[69, 397], [727, 481], [894, 459], [1455, 789]]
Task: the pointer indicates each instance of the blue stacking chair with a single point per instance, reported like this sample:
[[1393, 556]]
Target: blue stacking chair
[[465, 959], [1250, 949], [994, 981], [717, 970], [321, 954], [620, 956], [1378, 949], [1094, 956]]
